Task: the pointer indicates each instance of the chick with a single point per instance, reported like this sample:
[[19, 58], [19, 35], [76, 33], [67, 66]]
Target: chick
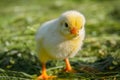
[[60, 38]]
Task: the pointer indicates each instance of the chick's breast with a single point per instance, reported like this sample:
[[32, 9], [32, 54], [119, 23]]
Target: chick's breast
[[52, 45]]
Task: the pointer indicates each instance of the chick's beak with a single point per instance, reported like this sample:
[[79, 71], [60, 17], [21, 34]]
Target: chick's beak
[[74, 31]]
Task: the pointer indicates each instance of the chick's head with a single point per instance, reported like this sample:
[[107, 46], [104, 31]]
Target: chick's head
[[71, 22]]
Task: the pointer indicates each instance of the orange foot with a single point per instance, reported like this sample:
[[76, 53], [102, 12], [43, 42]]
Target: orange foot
[[68, 67], [70, 70], [45, 77]]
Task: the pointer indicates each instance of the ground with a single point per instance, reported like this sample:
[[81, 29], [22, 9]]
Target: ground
[[98, 59]]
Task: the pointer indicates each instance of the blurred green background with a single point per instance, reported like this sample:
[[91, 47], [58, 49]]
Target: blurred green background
[[19, 20]]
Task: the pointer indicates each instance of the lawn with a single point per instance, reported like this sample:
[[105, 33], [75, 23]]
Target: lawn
[[100, 55]]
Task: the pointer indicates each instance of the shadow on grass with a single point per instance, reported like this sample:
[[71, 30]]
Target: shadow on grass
[[25, 64]]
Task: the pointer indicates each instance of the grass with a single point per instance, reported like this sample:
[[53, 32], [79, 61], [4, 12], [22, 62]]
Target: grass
[[99, 58]]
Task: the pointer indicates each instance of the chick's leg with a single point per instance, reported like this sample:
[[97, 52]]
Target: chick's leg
[[44, 75], [68, 66]]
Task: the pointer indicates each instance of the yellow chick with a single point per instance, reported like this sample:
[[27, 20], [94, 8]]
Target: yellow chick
[[60, 38]]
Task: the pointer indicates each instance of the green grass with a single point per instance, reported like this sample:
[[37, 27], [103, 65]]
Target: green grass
[[99, 58]]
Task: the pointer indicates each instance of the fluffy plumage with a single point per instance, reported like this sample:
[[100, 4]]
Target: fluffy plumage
[[61, 38]]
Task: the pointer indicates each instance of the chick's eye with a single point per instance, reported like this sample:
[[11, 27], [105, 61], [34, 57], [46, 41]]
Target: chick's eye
[[66, 25]]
